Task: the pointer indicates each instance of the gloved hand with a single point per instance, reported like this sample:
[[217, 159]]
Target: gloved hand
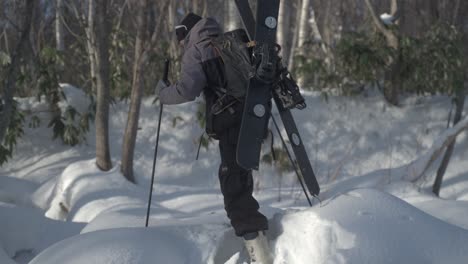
[[161, 86]]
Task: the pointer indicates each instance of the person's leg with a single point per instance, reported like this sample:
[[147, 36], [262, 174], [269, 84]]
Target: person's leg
[[237, 187]]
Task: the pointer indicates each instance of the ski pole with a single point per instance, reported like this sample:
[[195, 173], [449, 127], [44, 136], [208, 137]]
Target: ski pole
[[291, 160], [165, 78]]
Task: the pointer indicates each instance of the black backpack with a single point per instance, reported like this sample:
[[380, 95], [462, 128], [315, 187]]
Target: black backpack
[[233, 48]]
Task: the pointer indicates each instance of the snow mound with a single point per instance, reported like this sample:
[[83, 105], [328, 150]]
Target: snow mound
[[14, 190], [367, 226], [4, 258], [192, 244], [74, 97], [129, 245], [83, 191], [27, 230], [361, 226]]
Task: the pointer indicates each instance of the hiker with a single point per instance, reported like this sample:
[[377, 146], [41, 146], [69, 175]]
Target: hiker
[[203, 70]]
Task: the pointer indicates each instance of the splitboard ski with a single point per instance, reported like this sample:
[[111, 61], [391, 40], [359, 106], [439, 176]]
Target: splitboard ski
[[285, 93], [257, 107]]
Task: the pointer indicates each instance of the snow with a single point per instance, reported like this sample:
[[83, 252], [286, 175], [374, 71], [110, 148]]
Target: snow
[[73, 97], [368, 226], [57, 207], [387, 19]]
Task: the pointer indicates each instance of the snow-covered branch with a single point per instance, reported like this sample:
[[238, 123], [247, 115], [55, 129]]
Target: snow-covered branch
[[392, 39]]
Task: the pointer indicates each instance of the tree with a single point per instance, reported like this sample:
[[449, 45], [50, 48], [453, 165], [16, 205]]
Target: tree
[[231, 16], [284, 28], [143, 46], [59, 28], [98, 35], [459, 101], [303, 33], [141, 50], [7, 110], [392, 85], [171, 23]]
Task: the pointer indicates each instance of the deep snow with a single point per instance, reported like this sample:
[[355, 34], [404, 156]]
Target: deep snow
[[57, 207]]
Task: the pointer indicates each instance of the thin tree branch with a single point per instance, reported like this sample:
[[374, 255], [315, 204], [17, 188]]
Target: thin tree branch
[[159, 25], [455, 12], [419, 167], [392, 40], [378, 23], [394, 7]]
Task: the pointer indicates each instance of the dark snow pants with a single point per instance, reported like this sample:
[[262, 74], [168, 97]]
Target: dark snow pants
[[236, 182]]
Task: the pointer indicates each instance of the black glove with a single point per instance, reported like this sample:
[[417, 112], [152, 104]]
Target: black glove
[[161, 86]]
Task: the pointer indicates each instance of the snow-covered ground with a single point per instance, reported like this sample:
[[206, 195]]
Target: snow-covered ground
[[57, 207]]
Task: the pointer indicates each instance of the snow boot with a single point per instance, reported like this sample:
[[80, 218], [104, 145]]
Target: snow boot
[[257, 246]]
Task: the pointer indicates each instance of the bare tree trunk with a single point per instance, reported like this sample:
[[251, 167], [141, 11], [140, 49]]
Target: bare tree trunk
[[284, 29], [303, 34], [392, 39], [459, 105], [303, 25], [418, 168], [173, 45], [460, 96], [158, 25], [232, 18], [59, 28], [91, 42], [98, 32], [455, 12], [205, 8], [392, 77], [9, 84], [327, 28], [137, 90], [294, 45], [199, 7]]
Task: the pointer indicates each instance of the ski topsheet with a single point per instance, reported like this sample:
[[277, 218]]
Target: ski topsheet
[[248, 152], [258, 100], [298, 149]]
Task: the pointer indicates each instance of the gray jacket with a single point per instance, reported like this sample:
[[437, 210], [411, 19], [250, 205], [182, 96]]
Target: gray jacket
[[197, 51]]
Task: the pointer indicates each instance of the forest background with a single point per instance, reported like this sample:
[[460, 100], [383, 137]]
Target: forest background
[[114, 50]]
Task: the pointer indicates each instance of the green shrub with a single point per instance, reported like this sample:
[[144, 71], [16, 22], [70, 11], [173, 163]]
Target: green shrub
[[435, 63], [13, 132]]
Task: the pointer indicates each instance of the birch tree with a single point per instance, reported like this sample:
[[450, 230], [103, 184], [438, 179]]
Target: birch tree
[[294, 44], [284, 29], [231, 16], [59, 28], [392, 84], [98, 35], [303, 33], [137, 89], [143, 45]]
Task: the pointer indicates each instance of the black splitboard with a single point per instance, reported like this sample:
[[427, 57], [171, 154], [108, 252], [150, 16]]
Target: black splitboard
[[285, 114], [258, 99], [247, 17], [298, 149]]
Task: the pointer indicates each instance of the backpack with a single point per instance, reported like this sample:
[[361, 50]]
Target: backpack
[[235, 53], [233, 48]]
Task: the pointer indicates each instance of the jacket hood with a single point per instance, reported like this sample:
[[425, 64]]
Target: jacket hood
[[205, 28]]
